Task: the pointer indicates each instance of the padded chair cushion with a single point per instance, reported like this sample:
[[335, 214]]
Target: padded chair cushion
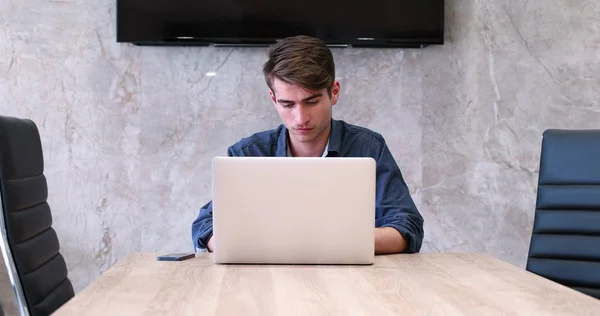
[[21, 149], [565, 244], [34, 244], [570, 157]]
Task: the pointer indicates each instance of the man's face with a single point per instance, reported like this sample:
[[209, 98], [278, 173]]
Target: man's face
[[306, 114]]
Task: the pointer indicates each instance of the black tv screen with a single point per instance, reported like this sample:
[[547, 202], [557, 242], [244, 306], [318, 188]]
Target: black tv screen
[[372, 23]]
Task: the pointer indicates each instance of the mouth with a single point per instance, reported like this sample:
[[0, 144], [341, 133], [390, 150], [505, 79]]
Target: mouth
[[303, 130]]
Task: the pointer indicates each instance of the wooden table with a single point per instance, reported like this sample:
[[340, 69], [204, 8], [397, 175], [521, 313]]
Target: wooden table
[[406, 284]]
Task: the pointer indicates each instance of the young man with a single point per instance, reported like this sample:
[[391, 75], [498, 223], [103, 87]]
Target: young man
[[300, 74]]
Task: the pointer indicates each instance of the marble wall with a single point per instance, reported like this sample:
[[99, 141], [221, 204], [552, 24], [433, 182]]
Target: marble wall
[[129, 132]]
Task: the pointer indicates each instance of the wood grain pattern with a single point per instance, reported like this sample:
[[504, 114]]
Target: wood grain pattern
[[415, 284]]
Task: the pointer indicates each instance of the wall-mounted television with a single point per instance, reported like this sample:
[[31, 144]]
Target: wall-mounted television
[[357, 23]]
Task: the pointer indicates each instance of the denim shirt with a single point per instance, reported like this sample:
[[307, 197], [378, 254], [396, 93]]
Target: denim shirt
[[394, 205]]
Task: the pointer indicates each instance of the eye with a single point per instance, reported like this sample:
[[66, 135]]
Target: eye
[[287, 105], [312, 102]]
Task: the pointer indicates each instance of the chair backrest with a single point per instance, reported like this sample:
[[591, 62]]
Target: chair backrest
[[31, 246], [565, 244]]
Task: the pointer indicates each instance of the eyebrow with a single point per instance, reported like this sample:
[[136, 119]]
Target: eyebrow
[[316, 95]]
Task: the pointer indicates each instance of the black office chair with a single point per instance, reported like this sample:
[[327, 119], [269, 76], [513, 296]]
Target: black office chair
[[565, 244], [29, 244]]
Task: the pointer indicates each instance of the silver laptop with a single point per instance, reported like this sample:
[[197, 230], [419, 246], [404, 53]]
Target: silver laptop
[[283, 210]]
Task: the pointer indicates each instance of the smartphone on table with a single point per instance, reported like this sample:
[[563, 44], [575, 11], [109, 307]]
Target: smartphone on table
[[176, 256]]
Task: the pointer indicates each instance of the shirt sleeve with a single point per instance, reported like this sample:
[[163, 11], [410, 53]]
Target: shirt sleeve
[[394, 205], [202, 227]]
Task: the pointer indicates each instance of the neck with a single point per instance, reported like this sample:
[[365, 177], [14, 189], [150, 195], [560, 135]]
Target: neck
[[311, 149]]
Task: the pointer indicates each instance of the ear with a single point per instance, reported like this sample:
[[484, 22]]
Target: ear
[[335, 92], [273, 99]]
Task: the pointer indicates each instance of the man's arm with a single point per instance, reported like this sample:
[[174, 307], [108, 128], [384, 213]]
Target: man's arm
[[399, 223], [388, 240], [202, 228]]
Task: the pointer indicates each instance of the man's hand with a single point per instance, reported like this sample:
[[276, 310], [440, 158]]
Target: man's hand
[[388, 240], [210, 244]]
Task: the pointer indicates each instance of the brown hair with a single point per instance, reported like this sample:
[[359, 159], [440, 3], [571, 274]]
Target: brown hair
[[301, 60]]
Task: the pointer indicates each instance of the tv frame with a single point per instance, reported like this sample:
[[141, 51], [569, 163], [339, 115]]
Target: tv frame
[[266, 41]]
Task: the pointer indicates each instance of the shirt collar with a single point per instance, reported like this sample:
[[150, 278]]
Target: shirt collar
[[335, 138], [333, 144], [282, 146]]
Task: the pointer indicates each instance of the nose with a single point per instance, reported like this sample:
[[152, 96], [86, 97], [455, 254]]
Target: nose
[[302, 115]]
